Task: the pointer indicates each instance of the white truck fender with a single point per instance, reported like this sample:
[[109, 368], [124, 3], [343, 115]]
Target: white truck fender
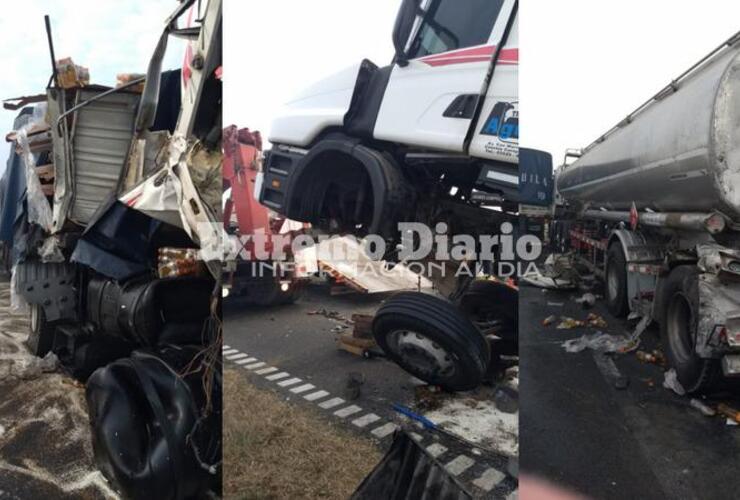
[[320, 106]]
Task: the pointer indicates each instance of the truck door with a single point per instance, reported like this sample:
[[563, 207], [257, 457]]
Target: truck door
[[432, 93]]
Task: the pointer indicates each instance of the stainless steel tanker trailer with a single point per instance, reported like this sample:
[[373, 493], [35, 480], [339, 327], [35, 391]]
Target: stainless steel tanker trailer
[[656, 203]]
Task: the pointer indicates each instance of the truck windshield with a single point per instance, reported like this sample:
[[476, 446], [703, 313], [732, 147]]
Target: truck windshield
[[454, 24]]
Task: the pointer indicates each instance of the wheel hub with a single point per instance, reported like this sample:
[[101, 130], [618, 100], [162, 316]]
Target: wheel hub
[[421, 353]]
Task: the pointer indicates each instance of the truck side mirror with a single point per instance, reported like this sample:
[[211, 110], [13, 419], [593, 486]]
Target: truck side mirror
[[402, 30]]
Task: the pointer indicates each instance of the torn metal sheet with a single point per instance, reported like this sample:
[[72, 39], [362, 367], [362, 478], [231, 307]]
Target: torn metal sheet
[[13, 103], [345, 257], [39, 210], [170, 196], [537, 279], [720, 306], [117, 243]]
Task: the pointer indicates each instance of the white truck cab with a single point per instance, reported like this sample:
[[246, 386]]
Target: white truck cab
[[353, 151]]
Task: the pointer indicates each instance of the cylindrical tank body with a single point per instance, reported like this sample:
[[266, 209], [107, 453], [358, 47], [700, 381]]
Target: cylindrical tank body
[[681, 153]]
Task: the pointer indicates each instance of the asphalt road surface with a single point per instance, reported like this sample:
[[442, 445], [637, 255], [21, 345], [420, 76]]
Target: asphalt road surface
[[579, 431], [300, 343]]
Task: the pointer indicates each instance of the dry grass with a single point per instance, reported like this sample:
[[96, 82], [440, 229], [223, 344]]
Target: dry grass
[[275, 450]]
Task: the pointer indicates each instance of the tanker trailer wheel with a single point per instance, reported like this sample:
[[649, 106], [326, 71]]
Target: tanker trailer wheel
[[494, 306], [433, 340], [678, 328], [616, 281]]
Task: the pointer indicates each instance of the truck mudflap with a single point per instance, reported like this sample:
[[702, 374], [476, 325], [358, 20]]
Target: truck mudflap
[[157, 434], [407, 471], [50, 285]]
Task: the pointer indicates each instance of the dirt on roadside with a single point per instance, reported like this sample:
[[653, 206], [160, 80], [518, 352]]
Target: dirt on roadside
[[273, 449], [45, 444]]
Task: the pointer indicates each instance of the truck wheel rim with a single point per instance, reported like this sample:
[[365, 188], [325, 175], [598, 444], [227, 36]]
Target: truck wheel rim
[[421, 353], [679, 322], [612, 282]]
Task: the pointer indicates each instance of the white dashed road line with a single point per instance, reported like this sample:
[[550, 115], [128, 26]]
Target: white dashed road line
[[246, 360], [254, 366], [290, 381], [459, 465], [277, 376], [327, 405], [384, 430], [302, 388], [489, 479], [436, 449], [366, 420], [234, 357], [346, 412], [316, 395], [265, 371]]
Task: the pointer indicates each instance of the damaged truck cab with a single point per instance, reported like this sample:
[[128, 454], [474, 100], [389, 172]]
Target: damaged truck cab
[[120, 268], [431, 138], [372, 146]]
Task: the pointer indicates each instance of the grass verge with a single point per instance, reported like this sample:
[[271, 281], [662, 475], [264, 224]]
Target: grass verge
[[276, 450]]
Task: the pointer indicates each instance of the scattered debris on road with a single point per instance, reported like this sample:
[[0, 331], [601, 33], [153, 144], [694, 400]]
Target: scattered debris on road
[[655, 357], [587, 300], [599, 341], [729, 412], [670, 381], [568, 323], [706, 410]]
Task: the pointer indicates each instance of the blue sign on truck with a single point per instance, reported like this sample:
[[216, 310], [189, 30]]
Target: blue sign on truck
[[535, 177]]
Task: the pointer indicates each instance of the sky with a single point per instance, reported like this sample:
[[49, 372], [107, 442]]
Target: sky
[[107, 36], [585, 65], [274, 49]]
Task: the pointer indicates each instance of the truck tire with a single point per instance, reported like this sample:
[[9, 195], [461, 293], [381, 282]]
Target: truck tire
[[41, 338], [616, 281], [488, 301], [433, 340], [678, 331]]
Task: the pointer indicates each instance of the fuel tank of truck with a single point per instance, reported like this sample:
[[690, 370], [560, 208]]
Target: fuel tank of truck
[[679, 152]]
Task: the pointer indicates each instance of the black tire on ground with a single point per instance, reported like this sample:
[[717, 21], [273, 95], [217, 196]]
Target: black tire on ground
[[678, 328], [41, 339], [487, 300], [616, 281], [433, 340]]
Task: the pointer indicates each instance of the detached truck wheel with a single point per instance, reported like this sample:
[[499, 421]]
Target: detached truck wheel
[[678, 329], [616, 281], [433, 340]]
